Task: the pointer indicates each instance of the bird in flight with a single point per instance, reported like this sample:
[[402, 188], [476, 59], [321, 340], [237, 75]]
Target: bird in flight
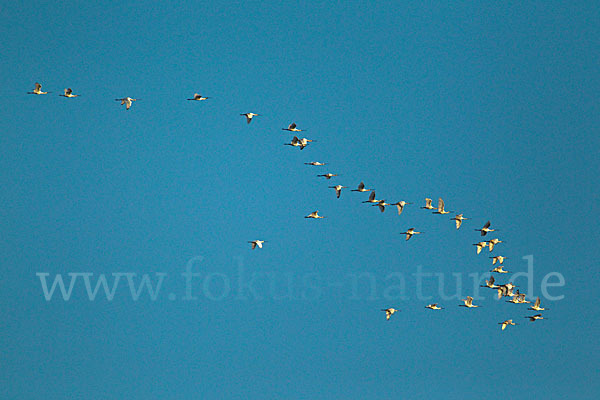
[[506, 323], [389, 312], [249, 116], [372, 198], [128, 101], [428, 205], [480, 246], [69, 93], [295, 143], [440, 209], [459, 219], [314, 214], [292, 128], [434, 306], [38, 89], [410, 232], [361, 188], [315, 163], [536, 306], [490, 283], [493, 242], [536, 317], [328, 175], [486, 228], [338, 189], [258, 243], [499, 259], [381, 205], [199, 97], [400, 205], [468, 303], [499, 270]]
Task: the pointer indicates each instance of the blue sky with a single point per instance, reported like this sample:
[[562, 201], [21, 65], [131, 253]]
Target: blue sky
[[493, 107]]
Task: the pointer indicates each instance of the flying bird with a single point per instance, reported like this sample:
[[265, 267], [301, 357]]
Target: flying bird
[[295, 143], [459, 219], [428, 205], [381, 205], [68, 93], [500, 270], [434, 306], [372, 198], [249, 116], [199, 97], [410, 232], [490, 283], [38, 89], [258, 243], [536, 306], [499, 259], [536, 317], [338, 189], [361, 188], [493, 242], [328, 175], [389, 312], [315, 163], [506, 323], [292, 128], [314, 214], [440, 209], [400, 205], [468, 303], [486, 228], [128, 101], [480, 246]]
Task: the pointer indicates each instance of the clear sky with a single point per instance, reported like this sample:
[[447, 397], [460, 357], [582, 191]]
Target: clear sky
[[491, 105]]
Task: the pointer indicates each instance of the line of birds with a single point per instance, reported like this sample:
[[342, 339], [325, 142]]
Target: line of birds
[[504, 290]]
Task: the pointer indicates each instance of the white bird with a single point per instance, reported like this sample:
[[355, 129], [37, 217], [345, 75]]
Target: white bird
[[338, 189], [486, 228], [468, 303], [480, 246], [428, 205], [304, 142], [314, 214], [249, 116], [381, 205], [372, 198], [459, 219], [500, 270], [506, 323], [199, 97], [328, 175], [400, 205], [295, 143], [536, 317], [258, 243], [440, 209], [434, 306], [315, 163], [68, 93], [536, 306], [361, 188], [389, 312], [292, 128], [490, 283], [128, 101], [499, 259], [506, 290], [38, 89], [493, 242], [410, 232]]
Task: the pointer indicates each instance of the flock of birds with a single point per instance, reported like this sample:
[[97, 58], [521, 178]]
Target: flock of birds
[[503, 290]]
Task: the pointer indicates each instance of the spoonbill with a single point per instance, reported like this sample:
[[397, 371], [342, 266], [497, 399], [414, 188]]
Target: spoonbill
[[68, 93], [249, 116], [38, 89], [128, 101], [459, 219], [361, 188], [258, 243], [410, 232], [389, 312]]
